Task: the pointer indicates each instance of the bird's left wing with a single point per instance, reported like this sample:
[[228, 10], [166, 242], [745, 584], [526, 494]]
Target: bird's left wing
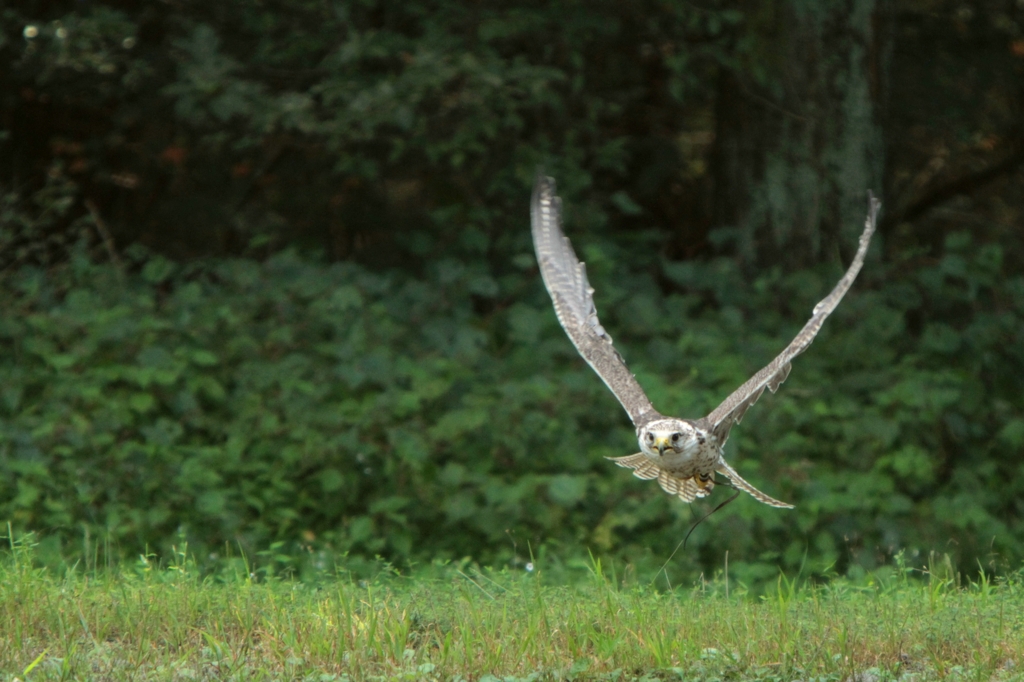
[[566, 280], [732, 409]]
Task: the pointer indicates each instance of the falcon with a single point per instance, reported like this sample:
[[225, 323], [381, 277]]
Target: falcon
[[683, 455]]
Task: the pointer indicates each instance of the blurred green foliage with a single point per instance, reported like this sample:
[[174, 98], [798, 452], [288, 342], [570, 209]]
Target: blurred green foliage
[[180, 358], [390, 133], [340, 410]]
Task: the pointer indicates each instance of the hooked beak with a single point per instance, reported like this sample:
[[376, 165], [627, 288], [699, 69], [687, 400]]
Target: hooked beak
[[661, 443]]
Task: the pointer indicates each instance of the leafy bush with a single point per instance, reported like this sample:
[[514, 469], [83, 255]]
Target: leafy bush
[[385, 133], [421, 401], [334, 409]]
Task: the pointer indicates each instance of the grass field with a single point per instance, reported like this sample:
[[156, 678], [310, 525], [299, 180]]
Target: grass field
[[145, 622]]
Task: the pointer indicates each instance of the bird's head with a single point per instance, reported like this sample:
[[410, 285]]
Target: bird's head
[[667, 436]]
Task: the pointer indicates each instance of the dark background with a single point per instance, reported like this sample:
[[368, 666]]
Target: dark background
[[267, 280]]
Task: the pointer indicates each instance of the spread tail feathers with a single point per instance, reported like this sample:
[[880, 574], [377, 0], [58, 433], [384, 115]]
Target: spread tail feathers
[[685, 488], [740, 484]]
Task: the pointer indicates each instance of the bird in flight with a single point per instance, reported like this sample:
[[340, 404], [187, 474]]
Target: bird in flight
[[682, 454]]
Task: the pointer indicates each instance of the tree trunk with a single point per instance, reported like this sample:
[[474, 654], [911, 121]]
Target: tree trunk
[[799, 140]]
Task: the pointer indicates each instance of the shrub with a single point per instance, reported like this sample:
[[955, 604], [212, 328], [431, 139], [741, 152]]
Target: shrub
[[334, 409]]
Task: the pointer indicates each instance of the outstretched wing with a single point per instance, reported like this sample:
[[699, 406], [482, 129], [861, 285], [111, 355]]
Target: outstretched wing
[[732, 409], [566, 280]]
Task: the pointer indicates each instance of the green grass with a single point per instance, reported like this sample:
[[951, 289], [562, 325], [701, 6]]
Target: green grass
[[145, 622]]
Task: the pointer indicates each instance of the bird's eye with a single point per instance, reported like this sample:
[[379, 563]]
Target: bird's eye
[[675, 437], [650, 437]]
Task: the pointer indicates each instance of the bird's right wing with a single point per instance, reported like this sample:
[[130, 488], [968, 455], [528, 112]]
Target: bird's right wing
[[566, 280]]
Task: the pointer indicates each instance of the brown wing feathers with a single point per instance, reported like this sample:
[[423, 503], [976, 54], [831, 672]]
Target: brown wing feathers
[[732, 409], [566, 280]]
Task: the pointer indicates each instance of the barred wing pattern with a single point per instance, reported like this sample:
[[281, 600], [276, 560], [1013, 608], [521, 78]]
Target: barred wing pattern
[[566, 280], [732, 409]]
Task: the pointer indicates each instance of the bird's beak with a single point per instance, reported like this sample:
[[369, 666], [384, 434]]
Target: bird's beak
[[661, 443]]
